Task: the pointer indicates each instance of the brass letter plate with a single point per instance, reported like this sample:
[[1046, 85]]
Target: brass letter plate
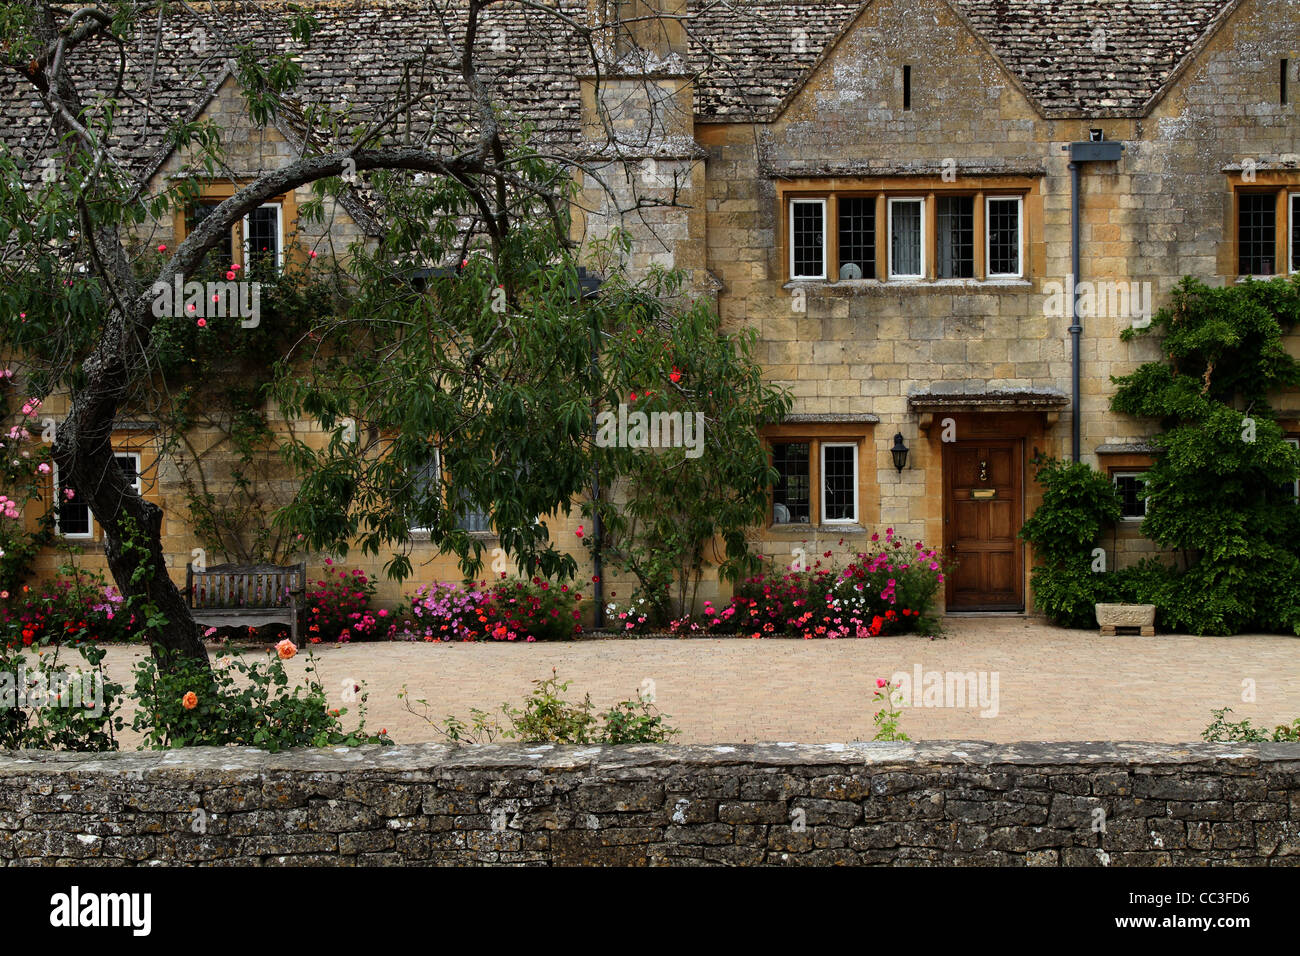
[[983, 492]]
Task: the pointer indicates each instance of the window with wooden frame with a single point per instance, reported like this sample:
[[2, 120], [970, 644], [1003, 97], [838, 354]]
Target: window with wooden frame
[[1130, 488], [1266, 228], [808, 238], [906, 237], [258, 243], [428, 479], [1005, 236], [902, 234], [818, 481], [72, 516]]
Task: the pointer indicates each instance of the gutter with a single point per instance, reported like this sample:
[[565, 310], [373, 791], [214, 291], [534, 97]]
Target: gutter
[[1096, 150]]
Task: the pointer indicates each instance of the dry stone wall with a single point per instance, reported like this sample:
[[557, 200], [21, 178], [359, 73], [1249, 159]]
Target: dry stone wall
[[959, 803]]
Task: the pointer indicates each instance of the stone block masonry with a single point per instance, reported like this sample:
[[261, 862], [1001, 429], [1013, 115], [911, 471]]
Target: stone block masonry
[[960, 803]]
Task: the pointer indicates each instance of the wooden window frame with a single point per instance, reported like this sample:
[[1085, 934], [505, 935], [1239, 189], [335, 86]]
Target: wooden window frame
[[56, 493], [824, 202], [926, 190], [1282, 186], [857, 480], [1130, 472], [278, 206], [221, 190], [447, 503], [990, 198], [926, 211], [815, 436]]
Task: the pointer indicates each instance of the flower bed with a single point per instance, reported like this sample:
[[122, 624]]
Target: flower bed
[[506, 610], [80, 607], [890, 590]]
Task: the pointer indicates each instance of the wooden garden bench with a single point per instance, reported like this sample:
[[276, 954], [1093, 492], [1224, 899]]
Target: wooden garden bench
[[246, 595]]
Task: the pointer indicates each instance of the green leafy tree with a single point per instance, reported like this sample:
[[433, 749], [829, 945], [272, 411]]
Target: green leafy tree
[[1220, 491], [77, 305]]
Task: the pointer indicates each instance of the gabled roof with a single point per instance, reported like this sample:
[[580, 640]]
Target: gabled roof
[[1051, 46], [750, 56]]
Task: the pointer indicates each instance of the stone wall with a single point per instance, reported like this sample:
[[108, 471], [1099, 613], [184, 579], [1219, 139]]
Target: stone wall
[[961, 803]]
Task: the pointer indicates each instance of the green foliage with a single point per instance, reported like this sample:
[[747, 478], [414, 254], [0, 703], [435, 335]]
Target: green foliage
[[635, 722], [241, 702], [546, 717], [77, 606], [497, 368], [217, 378], [1079, 504], [1219, 491], [669, 513], [887, 715], [1222, 730], [46, 706]]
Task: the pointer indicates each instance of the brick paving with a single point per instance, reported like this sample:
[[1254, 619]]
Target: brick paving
[[1053, 684]]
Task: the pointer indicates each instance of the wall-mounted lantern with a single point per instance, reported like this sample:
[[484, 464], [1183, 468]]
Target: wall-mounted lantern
[[899, 451]]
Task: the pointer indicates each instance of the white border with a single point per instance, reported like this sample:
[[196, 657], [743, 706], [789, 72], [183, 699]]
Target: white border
[[279, 231], [889, 239], [1020, 237], [793, 276], [856, 479]]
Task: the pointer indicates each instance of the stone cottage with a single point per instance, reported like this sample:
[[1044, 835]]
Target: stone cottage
[[892, 192]]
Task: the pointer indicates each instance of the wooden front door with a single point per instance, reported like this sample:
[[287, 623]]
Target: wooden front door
[[983, 511]]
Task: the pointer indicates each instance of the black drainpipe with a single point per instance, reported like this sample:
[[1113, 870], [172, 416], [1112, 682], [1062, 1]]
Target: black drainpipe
[[1093, 151]]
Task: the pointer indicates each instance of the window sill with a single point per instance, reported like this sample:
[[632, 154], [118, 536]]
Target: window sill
[[862, 285], [794, 528]]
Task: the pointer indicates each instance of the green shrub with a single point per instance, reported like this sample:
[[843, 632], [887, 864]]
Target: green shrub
[[546, 717], [1220, 491], [239, 702], [1222, 730], [45, 706], [1079, 504]]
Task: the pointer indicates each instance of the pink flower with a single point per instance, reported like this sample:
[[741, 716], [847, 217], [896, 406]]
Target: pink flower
[[162, 247], [579, 531], [202, 322], [312, 253], [881, 682], [43, 468]]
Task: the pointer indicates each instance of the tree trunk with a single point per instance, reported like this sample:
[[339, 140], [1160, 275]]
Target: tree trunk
[[131, 526]]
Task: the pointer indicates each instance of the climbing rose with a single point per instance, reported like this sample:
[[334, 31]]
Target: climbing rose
[[190, 700], [286, 649]]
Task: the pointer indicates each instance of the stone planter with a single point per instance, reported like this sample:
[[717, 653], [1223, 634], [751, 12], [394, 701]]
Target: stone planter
[[1112, 616]]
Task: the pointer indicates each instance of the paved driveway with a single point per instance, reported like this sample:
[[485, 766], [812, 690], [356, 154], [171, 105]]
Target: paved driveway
[[1051, 684]]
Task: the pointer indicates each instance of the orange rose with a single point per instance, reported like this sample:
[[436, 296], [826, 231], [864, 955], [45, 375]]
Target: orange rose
[[190, 700], [286, 649]]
